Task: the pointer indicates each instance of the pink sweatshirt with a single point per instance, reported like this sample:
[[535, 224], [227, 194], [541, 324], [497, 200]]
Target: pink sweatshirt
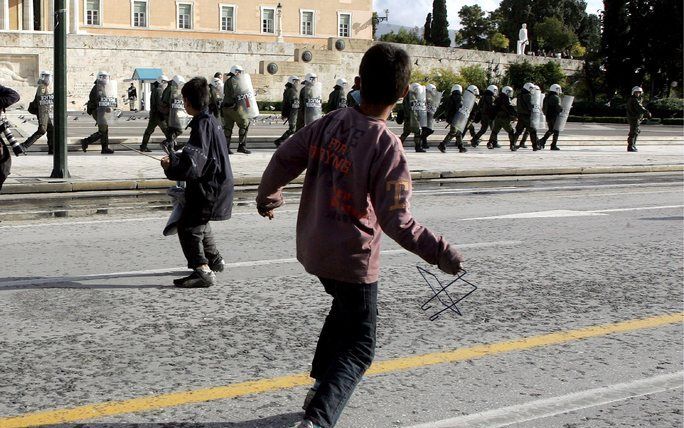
[[357, 185]]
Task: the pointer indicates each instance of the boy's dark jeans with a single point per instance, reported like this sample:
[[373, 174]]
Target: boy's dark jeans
[[345, 348], [198, 244]]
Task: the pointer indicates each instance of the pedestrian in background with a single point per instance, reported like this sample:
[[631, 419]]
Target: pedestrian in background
[[204, 166], [132, 97], [357, 185]]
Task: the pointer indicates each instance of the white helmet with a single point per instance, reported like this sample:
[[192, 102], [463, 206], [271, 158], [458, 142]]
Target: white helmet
[[458, 88], [311, 77], [493, 89], [236, 69], [292, 79], [555, 88], [415, 87], [529, 86], [473, 89], [103, 76], [178, 80], [637, 89], [430, 87], [46, 77], [163, 78], [342, 83], [507, 90], [216, 82]]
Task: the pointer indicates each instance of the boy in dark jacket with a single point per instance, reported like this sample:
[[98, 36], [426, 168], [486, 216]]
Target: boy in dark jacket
[[204, 165], [357, 186]]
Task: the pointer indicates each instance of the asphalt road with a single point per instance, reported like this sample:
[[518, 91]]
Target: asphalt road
[[579, 309]]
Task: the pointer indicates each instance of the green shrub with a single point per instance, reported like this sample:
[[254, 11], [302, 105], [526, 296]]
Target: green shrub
[[543, 75], [676, 121], [667, 108]]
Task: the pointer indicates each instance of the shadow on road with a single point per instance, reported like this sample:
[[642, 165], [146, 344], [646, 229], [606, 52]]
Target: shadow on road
[[277, 421]]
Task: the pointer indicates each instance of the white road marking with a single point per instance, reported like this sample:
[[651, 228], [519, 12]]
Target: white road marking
[[509, 189], [175, 270], [594, 195], [548, 407], [569, 213]]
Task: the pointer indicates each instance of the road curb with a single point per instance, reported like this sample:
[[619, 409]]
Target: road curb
[[240, 181]]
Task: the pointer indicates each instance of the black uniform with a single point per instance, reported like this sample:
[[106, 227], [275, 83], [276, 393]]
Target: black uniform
[[504, 114], [551, 108], [486, 113], [102, 134], [43, 102], [290, 111], [524, 110], [452, 104], [336, 100], [156, 116]]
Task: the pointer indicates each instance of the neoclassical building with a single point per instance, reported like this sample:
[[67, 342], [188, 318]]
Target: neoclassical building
[[295, 21]]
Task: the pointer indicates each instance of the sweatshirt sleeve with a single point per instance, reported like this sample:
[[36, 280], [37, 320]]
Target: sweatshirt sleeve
[[7, 97], [189, 164], [391, 190], [287, 163]]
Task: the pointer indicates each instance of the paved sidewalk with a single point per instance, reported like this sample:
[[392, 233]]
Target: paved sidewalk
[[130, 171]]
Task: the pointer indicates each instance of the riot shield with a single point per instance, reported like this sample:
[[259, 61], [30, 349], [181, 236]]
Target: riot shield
[[417, 102], [46, 104], [107, 103], [536, 117], [178, 118], [566, 105], [356, 94], [463, 114], [433, 99], [245, 99], [313, 104]]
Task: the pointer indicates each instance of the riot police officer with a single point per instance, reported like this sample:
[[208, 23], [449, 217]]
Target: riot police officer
[[43, 105], [310, 103], [552, 109], [525, 105], [238, 107], [338, 97], [156, 118], [635, 113], [290, 108], [101, 104], [415, 115], [486, 112], [504, 114]]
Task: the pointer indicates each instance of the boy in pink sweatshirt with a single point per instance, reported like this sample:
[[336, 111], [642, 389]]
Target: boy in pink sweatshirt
[[357, 186]]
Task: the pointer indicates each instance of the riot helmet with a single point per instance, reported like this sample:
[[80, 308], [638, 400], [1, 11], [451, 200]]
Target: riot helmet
[[637, 89], [178, 80], [529, 86], [555, 88], [46, 77], [103, 77], [430, 87], [236, 69], [473, 89], [457, 88], [342, 83], [493, 89], [507, 90], [293, 80], [311, 78]]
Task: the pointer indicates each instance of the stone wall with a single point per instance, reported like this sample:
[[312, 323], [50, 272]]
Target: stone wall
[[24, 54]]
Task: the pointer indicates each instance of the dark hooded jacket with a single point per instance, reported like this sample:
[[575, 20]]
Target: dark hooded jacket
[[336, 100], [551, 107], [524, 107], [486, 106], [503, 108], [204, 165], [452, 105]]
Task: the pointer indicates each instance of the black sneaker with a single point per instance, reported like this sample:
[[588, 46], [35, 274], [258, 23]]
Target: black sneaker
[[145, 149], [218, 265], [462, 149], [243, 149], [442, 147], [197, 279], [106, 151], [84, 144]]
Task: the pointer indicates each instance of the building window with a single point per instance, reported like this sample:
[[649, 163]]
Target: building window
[[227, 18], [268, 20], [307, 19], [140, 14], [344, 25], [92, 12], [185, 16]]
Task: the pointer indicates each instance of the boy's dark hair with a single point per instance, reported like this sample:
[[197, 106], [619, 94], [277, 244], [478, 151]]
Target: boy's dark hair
[[217, 74], [385, 72], [196, 91]]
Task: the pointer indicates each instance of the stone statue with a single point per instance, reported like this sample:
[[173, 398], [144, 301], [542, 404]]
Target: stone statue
[[522, 40]]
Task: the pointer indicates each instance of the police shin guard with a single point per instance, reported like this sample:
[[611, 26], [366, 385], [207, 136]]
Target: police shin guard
[[105, 145], [418, 144]]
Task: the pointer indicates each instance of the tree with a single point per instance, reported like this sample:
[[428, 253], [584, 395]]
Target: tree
[[553, 35], [615, 46], [475, 28], [403, 36], [499, 42], [543, 75], [427, 29], [440, 25], [474, 75], [374, 23]]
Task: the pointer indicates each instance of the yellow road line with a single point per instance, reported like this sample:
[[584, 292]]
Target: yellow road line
[[94, 411]]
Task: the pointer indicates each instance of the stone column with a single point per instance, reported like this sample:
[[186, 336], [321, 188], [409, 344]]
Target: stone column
[[74, 15], [4, 11], [28, 17]]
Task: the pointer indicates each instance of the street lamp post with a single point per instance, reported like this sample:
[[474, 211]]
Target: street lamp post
[[279, 9], [60, 169]]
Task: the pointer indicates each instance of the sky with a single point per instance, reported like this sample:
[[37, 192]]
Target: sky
[[414, 15]]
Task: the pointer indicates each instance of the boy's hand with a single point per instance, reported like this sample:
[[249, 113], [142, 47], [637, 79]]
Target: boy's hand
[[265, 212], [165, 162], [451, 261]]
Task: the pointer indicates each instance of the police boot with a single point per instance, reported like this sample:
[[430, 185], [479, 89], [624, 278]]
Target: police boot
[[554, 142], [242, 149], [144, 148], [442, 146], [461, 148], [19, 149], [475, 142], [105, 146], [85, 142], [26, 144]]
